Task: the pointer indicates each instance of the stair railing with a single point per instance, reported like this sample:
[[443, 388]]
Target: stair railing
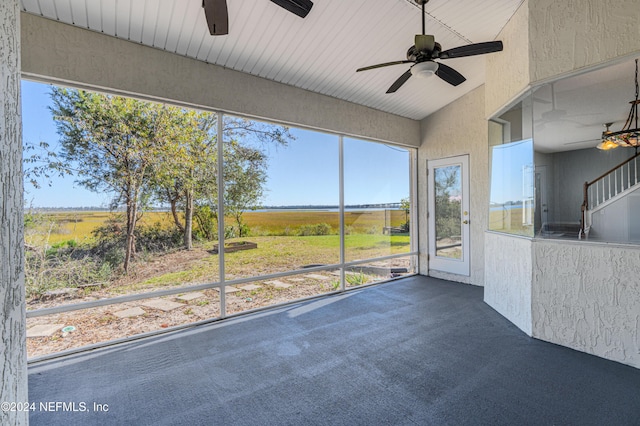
[[606, 186]]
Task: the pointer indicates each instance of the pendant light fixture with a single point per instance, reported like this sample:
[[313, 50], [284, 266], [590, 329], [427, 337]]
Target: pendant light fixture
[[629, 136]]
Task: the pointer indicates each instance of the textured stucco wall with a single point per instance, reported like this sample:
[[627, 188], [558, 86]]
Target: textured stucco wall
[[508, 277], [443, 135], [587, 297], [507, 74], [13, 348], [570, 35], [63, 53]]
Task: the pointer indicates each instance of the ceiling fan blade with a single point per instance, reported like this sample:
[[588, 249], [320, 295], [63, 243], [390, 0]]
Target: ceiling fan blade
[[425, 43], [217, 17], [400, 81], [450, 75], [386, 64], [297, 7], [472, 49]]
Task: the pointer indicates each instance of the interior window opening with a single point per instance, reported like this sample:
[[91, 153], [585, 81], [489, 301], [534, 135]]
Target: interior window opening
[[581, 173]]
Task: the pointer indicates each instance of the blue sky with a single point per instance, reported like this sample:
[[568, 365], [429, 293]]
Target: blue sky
[[303, 173], [512, 172]]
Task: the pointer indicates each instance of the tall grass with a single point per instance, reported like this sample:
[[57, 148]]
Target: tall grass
[[57, 227], [62, 247]]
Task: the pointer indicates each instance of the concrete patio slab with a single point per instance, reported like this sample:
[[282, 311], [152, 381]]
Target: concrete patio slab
[[44, 330], [249, 287], [282, 285], [161, 304], [318, 277], [278, 284], [228, 289], [190, 296], [129, 313]]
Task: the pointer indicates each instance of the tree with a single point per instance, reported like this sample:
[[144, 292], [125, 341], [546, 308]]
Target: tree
[[111, 143], [186, 167], [447, 201], [245, 147], [244, 178], [246, 161], [405, 204], [186, 170], [141, 151]]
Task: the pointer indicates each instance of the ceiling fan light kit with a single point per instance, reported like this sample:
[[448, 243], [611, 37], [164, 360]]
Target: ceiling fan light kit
[[424, 52], [424, 69], [627, 137]]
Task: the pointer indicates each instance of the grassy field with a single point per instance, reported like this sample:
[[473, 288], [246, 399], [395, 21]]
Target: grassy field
[[60, 273], [510, 221], [277, 222], [58, 227], [280, 254], [281, 247], [64, 226]]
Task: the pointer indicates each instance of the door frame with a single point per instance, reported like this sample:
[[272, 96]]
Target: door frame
[[439, 263], [540, 194]]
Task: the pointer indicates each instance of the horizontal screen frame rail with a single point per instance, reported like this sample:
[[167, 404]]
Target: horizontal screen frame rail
[[169, 292]]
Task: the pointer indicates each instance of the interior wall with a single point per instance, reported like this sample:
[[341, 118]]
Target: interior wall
[[577, 294], [507, 73], [65, 54], [587, 297], [570, 170], [514, 118], [508, 276], [446, 134], [574, 34], [544, 164]]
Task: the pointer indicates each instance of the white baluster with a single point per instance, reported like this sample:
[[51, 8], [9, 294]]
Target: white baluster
[[628, 167]]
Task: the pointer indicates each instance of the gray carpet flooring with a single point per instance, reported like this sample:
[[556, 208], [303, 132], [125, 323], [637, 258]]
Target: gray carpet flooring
[[417, 351]]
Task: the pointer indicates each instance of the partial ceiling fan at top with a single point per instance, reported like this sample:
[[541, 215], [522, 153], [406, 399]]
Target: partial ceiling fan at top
[[556, 115], [217, 16], [426, 49]]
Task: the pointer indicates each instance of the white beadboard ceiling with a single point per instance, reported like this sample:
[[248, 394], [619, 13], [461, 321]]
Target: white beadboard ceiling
[[319, 53]]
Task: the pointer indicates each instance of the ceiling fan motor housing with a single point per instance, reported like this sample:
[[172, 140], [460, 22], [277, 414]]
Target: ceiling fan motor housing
[[415, 56], [423, 52]]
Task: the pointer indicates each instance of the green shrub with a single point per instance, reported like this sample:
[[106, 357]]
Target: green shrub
[[57, 247], [65, 269], [206, 223], [357, 279], [317, 229], [157, 238]]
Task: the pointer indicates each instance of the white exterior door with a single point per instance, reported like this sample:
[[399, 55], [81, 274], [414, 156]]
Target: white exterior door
[[449, 218]]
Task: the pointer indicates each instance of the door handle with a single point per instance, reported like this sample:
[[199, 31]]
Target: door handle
[[466, 222]]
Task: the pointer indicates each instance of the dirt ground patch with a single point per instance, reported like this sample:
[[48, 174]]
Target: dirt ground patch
[[101, 324]]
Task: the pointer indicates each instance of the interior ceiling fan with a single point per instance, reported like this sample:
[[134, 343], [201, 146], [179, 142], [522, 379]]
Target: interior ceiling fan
[[426, 49], [218, 18]]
